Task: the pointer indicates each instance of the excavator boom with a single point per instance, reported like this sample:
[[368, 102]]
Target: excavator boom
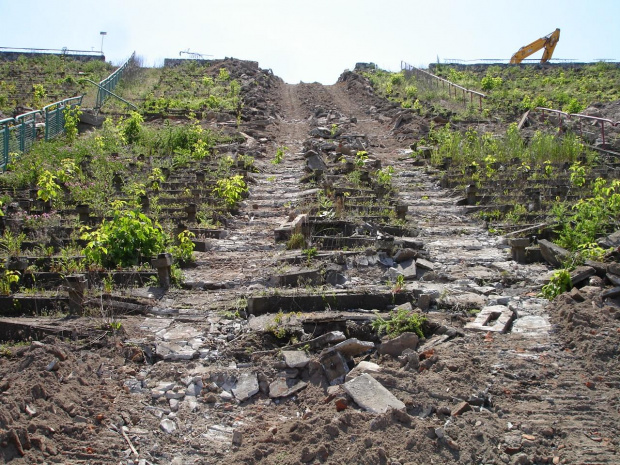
[[548, 43]]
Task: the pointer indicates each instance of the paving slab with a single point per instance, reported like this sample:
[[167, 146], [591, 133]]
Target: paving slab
[[370, 394]]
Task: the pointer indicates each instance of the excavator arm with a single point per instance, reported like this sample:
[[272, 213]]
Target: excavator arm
[[548, 43]]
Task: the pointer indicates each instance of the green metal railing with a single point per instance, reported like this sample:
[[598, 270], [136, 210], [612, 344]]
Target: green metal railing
[[109, 83], [18, 134], [55, 116]]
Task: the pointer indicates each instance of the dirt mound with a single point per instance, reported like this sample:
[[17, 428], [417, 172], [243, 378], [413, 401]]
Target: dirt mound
[[58, 400]]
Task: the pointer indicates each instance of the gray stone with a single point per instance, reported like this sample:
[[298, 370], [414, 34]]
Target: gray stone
[[168, 426], [612, 268], [283, 387], [404, 254], [611, 293], [315, 162], [247, 386], [174, 405], [352, 347], [194, 389], [410, 360], [425, 264], [424, 301], [369, 394], [552, 253], [174, 394], [408, 269], [295, 358], [237, 438], [613, 279], [360, 369], [581, 273], [406, 306], [335, 366], [613, 240], [226, 396], [192, 403], [165, 386], [396, 346]]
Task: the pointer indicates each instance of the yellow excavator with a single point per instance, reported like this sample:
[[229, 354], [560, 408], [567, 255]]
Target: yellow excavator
[[548, 43]]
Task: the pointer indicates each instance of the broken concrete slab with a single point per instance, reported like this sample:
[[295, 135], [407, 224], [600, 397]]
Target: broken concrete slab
[[353, 347], [284, 387], [396, 346], [300, 277], [552, 253], [246, 387], [404, 254], [286, 229], [465, 300], [334, 365], [531, 326], [369, 394], [361, 368], [425, 264], [295, 358], [408, 269], [581, 274], [496, 318]]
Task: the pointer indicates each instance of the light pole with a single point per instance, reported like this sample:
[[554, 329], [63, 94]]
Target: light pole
[[103, 33]]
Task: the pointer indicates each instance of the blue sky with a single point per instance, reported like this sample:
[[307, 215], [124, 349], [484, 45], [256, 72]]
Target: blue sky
[[314, 40]]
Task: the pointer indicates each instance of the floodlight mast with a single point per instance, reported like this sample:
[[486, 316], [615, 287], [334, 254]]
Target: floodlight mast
[[103, 34]]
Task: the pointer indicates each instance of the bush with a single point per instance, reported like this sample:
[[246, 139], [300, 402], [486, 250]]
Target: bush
[[129, 237]]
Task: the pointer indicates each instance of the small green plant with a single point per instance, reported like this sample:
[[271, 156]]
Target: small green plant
[[280, 327], [333, 130], [184, 250], [231, 190], [399, 285], [9, 278], [108, 283], [577, 174], [360, 157], [400, 321], [156, 178], [384, 176], [223, 74], [48, 187], [296, 241], [72, 118], [279, 155], [310, 253], [560, 282], [11, 243], [38, 95], [131, 128]]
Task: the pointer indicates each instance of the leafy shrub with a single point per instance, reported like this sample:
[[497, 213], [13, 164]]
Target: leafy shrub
[[573, 106], [231, 190], [124, 240], [490, 83], [132, 127]]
